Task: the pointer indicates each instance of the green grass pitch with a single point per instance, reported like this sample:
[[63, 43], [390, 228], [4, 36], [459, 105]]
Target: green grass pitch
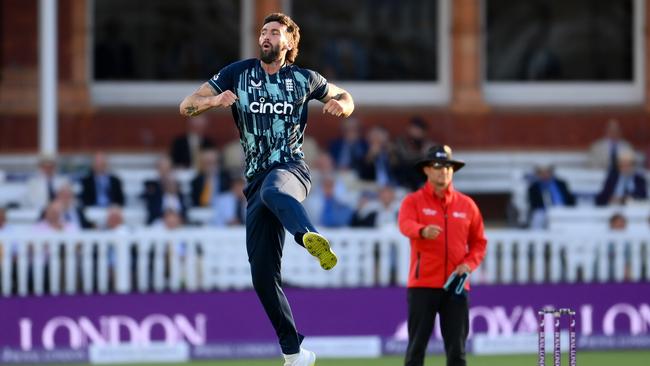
[[623, 358]]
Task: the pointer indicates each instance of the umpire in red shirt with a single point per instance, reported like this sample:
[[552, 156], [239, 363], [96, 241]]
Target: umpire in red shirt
[[445, 229]]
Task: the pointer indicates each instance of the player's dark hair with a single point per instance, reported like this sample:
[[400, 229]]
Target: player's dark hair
[[292, 29]]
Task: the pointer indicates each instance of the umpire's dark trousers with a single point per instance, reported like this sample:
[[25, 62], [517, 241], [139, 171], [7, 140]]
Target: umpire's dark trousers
[[273, 204], [423, 305]]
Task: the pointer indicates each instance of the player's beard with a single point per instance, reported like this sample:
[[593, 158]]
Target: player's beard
[[270, 55]]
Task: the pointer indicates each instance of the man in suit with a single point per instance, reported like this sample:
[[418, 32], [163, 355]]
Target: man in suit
[[210, 181], [623, 184], [186, 149], [546, 190], [99, 187], [42, 187], [163, 193]]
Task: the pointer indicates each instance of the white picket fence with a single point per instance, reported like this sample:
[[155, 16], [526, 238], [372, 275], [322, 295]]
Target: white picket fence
[[208, 259]]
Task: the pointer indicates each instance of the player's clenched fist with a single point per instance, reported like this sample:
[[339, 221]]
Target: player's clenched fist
[[333, 107], [225, 99]]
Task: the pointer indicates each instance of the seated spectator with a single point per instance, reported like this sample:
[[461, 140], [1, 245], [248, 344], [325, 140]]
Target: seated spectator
[[624, 183], [546, 190], [349, 149], [115, 220], [162, 192], [210, 181], [73, 214], [409, 148], [363, 216], [99, 187], [617, 222], [164, 196], [230, 206], [186, 149], [42, 187], [53, 221], [323, 169], [333, 212], [378, 164], [604, 152], [377, 209]]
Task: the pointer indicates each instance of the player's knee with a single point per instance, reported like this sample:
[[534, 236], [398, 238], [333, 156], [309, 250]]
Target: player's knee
[[269, 195]]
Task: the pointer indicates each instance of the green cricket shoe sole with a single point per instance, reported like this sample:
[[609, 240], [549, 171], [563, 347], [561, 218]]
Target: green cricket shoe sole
[[319, 247]]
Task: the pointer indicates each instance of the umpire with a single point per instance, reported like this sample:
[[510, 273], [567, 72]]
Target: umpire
[[445, 229]]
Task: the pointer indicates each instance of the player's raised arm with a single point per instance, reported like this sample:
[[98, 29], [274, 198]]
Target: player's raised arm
[[338, 102], [204, 98]]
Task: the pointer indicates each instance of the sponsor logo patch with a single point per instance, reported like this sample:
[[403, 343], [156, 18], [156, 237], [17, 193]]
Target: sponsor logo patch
[[429, 211], [459, 215]]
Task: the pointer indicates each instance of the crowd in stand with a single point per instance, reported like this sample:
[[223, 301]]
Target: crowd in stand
[[358, 181], [625, 181]]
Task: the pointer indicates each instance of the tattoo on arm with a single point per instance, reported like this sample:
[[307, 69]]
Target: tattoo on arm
[[338, 96], [191, 110]]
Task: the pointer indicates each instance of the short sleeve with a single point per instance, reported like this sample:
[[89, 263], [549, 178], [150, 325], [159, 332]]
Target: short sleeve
[[318, 86], [223, 80]]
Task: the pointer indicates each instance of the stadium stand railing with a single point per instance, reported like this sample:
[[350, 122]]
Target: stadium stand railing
[[211, 259]]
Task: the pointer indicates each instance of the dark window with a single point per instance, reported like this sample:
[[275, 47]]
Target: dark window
[[368, 40], [164, 39], [560, 40]]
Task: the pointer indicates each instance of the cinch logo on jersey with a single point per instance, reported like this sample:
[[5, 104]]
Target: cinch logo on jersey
[[277, 108]]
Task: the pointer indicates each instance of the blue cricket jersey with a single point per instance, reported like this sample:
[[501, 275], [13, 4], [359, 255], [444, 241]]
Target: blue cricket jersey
[[271, 112]]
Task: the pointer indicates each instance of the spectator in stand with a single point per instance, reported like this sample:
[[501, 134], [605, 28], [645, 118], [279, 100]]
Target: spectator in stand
[[210, 181], [168, 198], [378, 164], [323, 170], [377, 209], [42, 187], [99, 187], [115, 220], [362, 216], [230, 206], [546, 190], [617, 222], [605, 151], [335, 212], [624, 183], [53, 221], [349, 150], [409, 148], [163, 192], [73, 214], [387, 208], [186, 149]]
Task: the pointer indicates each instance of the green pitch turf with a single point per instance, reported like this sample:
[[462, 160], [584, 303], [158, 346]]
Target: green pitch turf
[[622, 358]]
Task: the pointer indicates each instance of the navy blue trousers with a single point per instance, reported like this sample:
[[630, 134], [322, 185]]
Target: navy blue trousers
[[273, 205]]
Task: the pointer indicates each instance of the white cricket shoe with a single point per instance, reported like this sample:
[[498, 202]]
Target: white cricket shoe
[[303, 358]]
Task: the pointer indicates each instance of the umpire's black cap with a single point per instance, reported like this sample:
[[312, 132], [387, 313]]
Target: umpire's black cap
[[439, 155]]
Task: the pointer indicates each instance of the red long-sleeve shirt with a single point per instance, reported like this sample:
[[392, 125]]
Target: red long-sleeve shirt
[[462, 239]]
